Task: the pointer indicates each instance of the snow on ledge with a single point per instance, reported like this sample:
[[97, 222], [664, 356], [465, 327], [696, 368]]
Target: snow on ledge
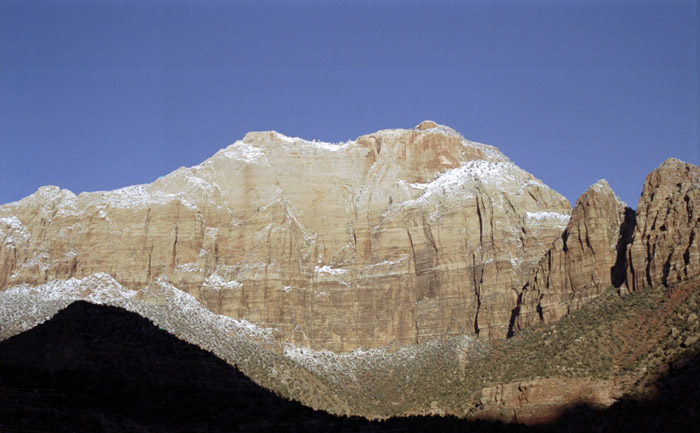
[[216, 281], [15, 229], [328, 270], [242, 151], [542, 216]]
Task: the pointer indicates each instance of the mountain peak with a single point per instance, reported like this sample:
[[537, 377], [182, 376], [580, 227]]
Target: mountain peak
[[666, 218], [426, 124]]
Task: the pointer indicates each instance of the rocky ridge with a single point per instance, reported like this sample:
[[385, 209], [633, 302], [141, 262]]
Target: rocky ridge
[[607, 244], [580, 263]]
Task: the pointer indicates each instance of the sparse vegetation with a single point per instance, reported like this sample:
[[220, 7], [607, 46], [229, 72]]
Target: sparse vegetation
[[624, 337], [633, 338]]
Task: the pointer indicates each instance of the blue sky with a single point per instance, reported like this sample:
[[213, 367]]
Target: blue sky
[[99, 95]]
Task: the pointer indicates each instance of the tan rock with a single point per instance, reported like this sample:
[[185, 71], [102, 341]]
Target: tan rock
[[579, 264], [665, 249], [541, 401], [426, 124], [690, 340], [398, 236]]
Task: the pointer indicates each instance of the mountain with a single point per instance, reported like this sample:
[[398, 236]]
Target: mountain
[[407, 272], [580, 264], [665, 247], [397, 237], [94, 368]]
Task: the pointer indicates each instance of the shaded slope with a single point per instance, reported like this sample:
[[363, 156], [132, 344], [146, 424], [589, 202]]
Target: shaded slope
[[675, 407], [101, 368]]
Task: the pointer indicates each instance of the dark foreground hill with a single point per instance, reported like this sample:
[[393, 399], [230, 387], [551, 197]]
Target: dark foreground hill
[[97, 368]]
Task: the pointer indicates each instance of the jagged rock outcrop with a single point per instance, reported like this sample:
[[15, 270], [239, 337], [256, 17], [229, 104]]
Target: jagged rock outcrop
[[580, 264], [664, 247], [400, 236], [606, 244]]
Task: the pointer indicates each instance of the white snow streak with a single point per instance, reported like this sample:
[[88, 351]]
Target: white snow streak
[[541, 216], [329, 270]]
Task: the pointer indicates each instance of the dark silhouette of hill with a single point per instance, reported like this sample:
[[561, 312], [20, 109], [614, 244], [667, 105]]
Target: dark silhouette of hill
[[95, 368], [98, 368]]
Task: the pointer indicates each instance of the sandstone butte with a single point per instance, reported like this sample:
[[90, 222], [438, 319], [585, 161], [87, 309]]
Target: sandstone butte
[[395, 238]]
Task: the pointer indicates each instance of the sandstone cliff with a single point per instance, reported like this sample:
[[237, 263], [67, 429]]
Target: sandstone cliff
[[399, 236], [580, 264], [543, 401], [664, 248], [608, 245]]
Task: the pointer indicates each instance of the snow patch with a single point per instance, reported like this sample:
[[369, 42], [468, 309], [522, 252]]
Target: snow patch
[[40, 260], [216, 281], [24, 306], [329, 270], [442, 129], [548, 216], [130, 196], [189, 268], [141, 196], [14, 230], [388, 263], [467, 175], [351, 367], [244, 152]]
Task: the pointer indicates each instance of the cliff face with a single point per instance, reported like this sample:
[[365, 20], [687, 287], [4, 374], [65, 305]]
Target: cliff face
[[664, 249], [606, 244], [544, 401], [398, 236], [580, 264]]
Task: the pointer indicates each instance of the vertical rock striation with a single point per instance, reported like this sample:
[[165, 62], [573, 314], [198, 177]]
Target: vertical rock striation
[[580, 263], [664, 249], [606, 244]]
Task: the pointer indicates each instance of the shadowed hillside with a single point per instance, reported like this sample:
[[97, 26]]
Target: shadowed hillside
[[674, 408], [99, 368]]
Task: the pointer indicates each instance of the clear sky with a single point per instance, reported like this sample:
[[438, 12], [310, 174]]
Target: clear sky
[[99, 95]]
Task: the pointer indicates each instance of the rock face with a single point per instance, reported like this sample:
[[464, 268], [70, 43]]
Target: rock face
[[580, 264], [606, 244], [399, 236], [664, 248], [542, 401]]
